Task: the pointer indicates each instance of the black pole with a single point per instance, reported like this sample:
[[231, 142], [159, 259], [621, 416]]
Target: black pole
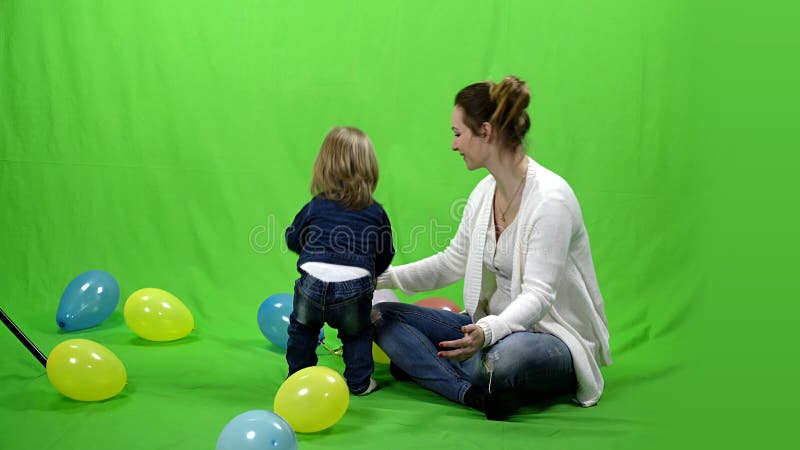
[[22, 338]]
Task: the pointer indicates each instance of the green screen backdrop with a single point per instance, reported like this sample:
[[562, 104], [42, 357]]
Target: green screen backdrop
[[170, 143]]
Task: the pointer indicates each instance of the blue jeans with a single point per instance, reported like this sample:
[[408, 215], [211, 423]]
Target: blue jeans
[[522, 365], [343, 305]]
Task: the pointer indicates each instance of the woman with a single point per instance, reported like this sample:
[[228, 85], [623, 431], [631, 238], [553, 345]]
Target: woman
[[534, 325]]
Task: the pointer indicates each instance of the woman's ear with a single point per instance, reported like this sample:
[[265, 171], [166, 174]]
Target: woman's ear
[[487, 132]]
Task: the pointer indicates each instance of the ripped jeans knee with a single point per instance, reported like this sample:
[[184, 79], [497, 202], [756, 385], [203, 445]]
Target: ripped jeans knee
[[527, 361], [485, 370], [376, 317]]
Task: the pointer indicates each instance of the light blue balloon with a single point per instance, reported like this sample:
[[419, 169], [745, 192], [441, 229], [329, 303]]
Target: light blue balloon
[[257, 429], [88, 300], [273, 319]]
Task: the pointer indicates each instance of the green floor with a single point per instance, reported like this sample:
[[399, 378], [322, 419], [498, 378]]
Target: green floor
[[181, 394]]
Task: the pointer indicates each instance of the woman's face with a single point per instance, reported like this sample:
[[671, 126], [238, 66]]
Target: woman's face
[[466, 143]]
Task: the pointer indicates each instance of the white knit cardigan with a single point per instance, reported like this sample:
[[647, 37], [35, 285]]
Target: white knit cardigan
[[553, 284]]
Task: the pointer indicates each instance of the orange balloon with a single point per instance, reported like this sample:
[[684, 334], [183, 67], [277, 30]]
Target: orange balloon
[[439, 303]]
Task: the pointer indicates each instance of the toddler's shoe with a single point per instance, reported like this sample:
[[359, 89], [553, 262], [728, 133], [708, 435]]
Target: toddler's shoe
[[372, 387]]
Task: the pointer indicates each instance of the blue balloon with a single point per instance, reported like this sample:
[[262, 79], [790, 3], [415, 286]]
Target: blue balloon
[[273, 319], [88, 300], [257, 429]]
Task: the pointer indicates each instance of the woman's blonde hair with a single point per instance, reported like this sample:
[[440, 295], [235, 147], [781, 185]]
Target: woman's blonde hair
[[346, 169]]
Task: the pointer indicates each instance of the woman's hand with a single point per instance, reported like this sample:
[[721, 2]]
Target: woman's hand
[[464, 348]]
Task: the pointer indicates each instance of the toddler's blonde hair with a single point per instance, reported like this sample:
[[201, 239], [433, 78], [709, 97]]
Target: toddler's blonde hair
[[346, 169]]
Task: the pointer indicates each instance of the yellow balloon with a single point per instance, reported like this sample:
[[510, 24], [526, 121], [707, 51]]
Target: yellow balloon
[[85, 370], [378, 355], [312, 399], [156, 315]]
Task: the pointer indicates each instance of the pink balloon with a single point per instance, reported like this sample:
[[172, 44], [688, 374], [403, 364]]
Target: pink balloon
[[439, 303]]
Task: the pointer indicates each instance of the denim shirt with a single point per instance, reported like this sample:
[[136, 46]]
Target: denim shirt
[[325, 231]]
